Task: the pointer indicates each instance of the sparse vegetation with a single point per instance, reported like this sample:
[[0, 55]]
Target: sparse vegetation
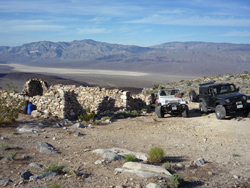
[[3, 147], [53, 185], [10, 156], [55, 167], [235, 155], [155, 154], [130, 157], [10, 104], [134, 113], [87, 117], [106, 118], [176, 180], [168, 166]]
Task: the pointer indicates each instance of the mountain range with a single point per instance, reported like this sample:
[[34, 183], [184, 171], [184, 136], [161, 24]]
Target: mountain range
[[199, 58]]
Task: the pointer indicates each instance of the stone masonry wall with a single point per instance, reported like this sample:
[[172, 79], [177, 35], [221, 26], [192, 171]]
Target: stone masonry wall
[[68, 101]]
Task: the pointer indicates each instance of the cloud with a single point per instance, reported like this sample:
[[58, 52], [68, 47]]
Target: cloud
[[193, 20], [82, 31], [237, 34], [7, 26]]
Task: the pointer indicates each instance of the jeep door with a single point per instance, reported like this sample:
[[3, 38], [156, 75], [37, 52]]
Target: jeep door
[[210, 97]]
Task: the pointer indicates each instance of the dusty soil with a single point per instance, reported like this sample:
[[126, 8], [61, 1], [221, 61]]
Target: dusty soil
[[224, 144]]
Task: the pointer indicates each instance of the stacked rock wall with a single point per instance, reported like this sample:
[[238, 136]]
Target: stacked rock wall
[[68, 101], [34, 87]]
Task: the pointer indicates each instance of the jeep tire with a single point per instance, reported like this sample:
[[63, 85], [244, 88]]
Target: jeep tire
[[203, 108], [185, 113], [159, 112], [247, 111], [220, 112]]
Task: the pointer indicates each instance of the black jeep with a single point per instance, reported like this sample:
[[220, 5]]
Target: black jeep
[[223, 98]]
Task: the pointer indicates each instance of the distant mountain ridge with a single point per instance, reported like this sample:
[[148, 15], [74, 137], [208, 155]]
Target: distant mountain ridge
[[199, 58]]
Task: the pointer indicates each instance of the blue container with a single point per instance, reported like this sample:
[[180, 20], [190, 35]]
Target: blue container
[[30, 108]]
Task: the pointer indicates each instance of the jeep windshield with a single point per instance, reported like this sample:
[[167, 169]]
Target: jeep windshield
[[167, 92], [222, 89]]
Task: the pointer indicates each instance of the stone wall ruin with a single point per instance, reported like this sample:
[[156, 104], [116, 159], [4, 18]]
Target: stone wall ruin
[[69, 101]]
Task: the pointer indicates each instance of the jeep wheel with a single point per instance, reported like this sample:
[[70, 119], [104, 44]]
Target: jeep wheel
[[247, 112], [158, 112], [220, 112], [203, 108], [192, 96], [185, 113]]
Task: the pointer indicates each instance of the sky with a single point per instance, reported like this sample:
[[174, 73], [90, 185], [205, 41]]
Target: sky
[[129, 22]]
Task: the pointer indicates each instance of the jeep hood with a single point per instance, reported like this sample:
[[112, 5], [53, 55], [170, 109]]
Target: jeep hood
[[229, 95]]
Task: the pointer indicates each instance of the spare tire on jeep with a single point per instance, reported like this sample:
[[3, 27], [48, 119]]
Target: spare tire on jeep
[[192, 96]]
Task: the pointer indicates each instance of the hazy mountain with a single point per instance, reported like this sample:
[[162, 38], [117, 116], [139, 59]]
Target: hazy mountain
[[199, 58]]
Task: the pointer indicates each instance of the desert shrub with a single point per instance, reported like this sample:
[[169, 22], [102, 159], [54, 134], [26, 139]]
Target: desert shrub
[[4, 147], [88, 110], [156, 154], [97, 122], [134, 113], [125, 114], [55, 167], [130, 157], [144, 110], [10, 105], [106, 118], [10, 156], [168, 166], [87, 117], [53, 185], [176, 180]]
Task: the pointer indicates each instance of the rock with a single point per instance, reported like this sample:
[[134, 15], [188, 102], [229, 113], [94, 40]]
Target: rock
[[139, 173], [78, 125], [77, 133], [5, 182], [26, 175], [36, 165], [112, 155], [36, 113], [146, 167], [44, 175], [152, 185], [199, 162], [98, 162], [46, 147], [4, 138], [91, 126], [123, 152], [26, 129], [236, 177]]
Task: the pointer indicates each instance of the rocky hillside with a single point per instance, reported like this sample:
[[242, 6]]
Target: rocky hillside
[[186, 58]]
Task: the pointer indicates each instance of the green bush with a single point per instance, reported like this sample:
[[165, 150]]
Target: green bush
[[130, 157], [10, 156], [176, 180], [10, 106], [55, 167], [155, 154], [87, 117], [168, 166], [134, 113], [144, 110], [106, 118], [53, 185]]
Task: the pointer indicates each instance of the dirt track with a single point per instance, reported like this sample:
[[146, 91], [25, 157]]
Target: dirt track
[[224, 144]]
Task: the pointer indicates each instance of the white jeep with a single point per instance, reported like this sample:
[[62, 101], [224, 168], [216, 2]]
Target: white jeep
[[169, 101]]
